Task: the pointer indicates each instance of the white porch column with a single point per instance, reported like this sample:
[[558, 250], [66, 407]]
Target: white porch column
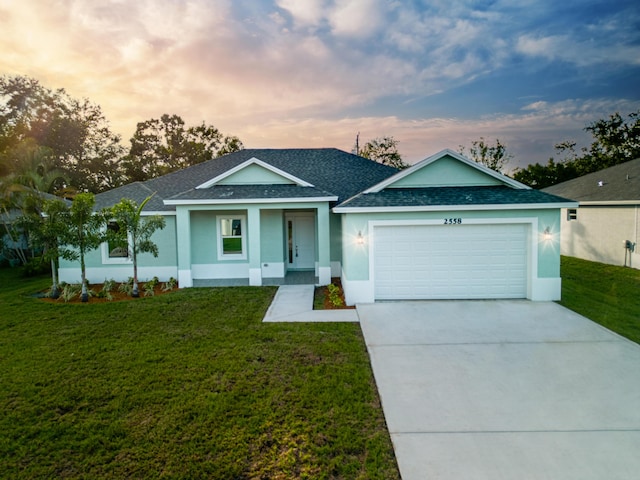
[[183, 240], [324, 245], [253, 237]]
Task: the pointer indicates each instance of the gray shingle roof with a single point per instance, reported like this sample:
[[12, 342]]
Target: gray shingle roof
[[442, 196], [254, 192], [330, 170], [617, 183]]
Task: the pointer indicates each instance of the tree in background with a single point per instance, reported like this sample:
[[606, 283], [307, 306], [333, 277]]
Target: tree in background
[[164, 145], [133, 232], [46, 231], [76, 132], [383, 150], [615, 141], [84, 233], [494, 157]]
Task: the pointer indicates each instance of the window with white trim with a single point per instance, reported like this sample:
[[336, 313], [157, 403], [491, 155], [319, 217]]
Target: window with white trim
[[231, 237], [114, 251]]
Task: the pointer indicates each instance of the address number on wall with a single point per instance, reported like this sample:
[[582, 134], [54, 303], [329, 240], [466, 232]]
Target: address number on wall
[[452, 221]]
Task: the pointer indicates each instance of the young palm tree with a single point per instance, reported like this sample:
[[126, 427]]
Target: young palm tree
[[85, 232], [135, 231]]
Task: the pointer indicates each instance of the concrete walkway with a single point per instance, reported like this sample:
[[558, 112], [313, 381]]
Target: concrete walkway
[[294, 303], [503, 390]]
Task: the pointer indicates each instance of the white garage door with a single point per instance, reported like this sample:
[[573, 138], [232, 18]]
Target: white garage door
[[450, 261]]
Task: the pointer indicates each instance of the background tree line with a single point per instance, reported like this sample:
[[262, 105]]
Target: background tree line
[[46, 133]]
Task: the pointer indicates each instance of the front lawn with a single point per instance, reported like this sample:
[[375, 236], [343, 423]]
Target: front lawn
[[607, 294], [185, 385]]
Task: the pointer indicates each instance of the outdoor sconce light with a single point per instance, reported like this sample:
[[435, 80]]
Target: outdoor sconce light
[[360, 238], [547, 235]]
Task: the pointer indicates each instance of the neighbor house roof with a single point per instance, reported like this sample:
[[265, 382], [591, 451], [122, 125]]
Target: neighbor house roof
[[334, 174], [438, 198], [619, 184]]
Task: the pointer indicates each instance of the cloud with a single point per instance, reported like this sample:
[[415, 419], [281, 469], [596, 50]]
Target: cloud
[[282, 72]]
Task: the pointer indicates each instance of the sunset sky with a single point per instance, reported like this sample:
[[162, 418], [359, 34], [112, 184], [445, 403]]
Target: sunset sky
[[314, 73]]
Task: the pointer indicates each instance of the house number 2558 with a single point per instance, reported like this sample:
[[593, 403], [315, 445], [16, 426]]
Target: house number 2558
[[452, 221]]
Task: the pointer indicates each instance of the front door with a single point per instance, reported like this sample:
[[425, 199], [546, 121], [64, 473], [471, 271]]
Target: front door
[[301, 241]]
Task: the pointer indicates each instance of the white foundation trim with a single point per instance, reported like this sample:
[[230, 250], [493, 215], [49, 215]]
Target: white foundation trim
[[273, 270], [324, 275], [117, 273], [184, 279], [357, 291], [255, 277], [546, 289], [219, 270]]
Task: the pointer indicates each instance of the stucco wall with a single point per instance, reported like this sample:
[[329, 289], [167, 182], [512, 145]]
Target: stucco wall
[[164, 266], [599, 232]]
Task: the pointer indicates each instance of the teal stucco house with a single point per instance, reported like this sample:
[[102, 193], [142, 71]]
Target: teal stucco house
[[445, 228]]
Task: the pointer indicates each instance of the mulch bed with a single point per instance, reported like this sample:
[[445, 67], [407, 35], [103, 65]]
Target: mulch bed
[[117, 296], [323, 293]]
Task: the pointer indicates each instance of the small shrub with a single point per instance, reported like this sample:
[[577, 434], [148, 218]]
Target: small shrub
[[149, 289], [170, 285], [335, 295], [70, 291], [126, 287], [109, 285]]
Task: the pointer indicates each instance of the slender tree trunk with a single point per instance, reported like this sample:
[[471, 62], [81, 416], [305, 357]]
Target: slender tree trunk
[[84, 297], [135, 292], [55, 293]]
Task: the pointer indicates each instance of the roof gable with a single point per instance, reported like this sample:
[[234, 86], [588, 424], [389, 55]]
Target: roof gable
[[446, 169], [254, 172]]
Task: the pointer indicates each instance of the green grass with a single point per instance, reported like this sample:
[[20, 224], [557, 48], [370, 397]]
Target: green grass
[[185, 385], [607, 294]]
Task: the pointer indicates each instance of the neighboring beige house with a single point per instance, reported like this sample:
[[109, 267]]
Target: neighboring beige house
[[606, 226]]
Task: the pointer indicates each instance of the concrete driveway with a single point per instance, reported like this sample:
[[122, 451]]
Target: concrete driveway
[[504, 390]]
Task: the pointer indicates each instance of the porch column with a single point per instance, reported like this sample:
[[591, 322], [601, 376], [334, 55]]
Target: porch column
[[253, 237], [183, 241], [324, 245]]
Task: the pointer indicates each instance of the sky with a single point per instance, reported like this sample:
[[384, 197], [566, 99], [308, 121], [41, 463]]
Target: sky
[[315, 73]]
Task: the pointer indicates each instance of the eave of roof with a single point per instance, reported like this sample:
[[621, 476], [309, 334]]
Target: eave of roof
[[224, 194], [448, 198]]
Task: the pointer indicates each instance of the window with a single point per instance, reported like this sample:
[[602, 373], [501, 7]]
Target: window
[[231, 238], [572, 214], [115, 251]]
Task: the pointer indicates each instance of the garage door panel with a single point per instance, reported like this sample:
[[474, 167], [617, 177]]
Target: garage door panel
[[457, 261]]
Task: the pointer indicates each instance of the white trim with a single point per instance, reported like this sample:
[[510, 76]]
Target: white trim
[[273, 270], [161, 213], [254, 161], [204, 271], [255, 277], [243, 237], [546, 289], [357, 291], [119, 273], [324, 275], [427, 161], [108, 260], [609, 202], [185, 279], [445, 208], [250, 200]]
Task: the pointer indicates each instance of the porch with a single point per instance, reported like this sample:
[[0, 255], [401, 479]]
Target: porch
[[291, 278]]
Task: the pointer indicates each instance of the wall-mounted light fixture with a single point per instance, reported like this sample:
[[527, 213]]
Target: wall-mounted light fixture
[[547, 235], [360, 238]]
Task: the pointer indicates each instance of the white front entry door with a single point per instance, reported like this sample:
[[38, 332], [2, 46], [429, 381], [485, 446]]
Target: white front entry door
[[301, 237]]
